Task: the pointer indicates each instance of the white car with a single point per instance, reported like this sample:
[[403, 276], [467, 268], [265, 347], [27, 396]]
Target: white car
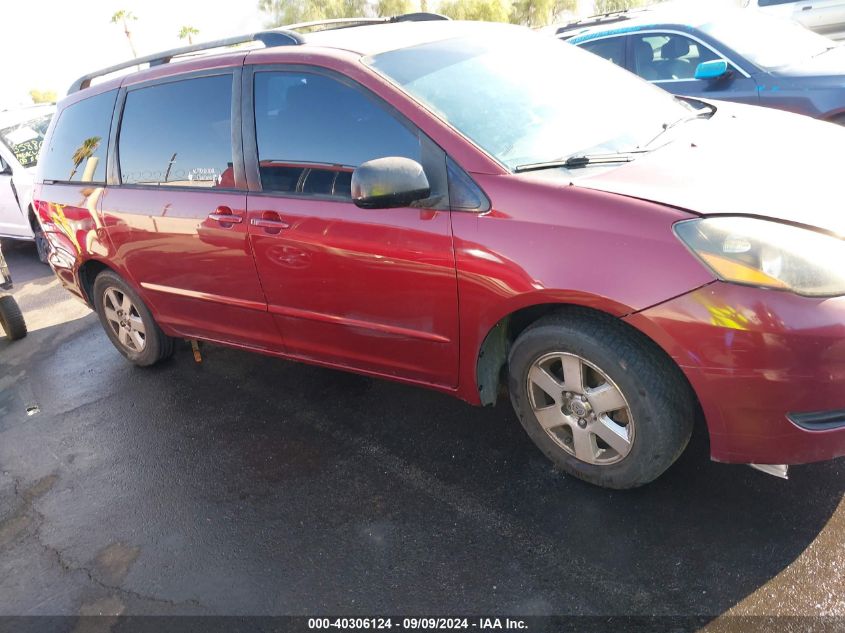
[[823, 16], [21, 134]]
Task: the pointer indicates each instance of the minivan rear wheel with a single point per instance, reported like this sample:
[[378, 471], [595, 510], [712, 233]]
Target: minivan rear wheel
[[600, 400], [128, 322]]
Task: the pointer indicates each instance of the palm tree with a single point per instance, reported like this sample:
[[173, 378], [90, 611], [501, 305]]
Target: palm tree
[[124, 17], [188, 33], [84, 152]]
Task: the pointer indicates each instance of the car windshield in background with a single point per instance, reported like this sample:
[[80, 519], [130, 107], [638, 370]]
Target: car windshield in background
[[526, 98], [768, 41], [24, 140]]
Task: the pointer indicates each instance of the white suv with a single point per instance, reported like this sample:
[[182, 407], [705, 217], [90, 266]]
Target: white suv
[[21, 134], [823, 16]]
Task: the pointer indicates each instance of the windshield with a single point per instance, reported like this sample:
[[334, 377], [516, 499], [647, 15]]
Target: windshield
[[24, 140], [529, 98], [765, 40]]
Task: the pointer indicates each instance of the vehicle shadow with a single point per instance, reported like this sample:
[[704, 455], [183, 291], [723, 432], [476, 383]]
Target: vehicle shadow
[[316, 491], [22, 259]]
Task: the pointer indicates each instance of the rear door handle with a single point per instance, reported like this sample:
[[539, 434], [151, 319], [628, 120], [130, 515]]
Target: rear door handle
[[270, 223], [224, 215], [810, 8]]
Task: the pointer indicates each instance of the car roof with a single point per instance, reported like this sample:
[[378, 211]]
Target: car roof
[[380, 38], [27, 113], [679, 16], [361, 40]]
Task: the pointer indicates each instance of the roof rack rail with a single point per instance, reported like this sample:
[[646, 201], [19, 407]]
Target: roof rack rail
[[270, 38], [604, 18], [342, 23], [283, 36]]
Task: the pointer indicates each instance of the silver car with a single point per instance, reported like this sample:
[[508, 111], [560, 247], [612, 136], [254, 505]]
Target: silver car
[[823, 16], [21, 134]]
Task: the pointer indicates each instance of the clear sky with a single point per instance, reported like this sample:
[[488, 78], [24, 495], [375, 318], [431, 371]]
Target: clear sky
[[47, 44]]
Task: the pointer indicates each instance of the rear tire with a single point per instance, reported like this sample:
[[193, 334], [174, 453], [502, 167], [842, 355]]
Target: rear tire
[[42, 246], [599, 399], [11, 318], [128, 322]]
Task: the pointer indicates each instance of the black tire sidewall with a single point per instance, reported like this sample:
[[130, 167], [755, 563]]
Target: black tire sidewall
[[152, 351], [11, 318], [662, 425], [42, 247]]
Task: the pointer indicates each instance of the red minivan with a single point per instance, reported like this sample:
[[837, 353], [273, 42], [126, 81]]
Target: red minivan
[[473, 208]]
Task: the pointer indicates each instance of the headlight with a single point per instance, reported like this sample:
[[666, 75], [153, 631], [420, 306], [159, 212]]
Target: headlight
[[768, 254]]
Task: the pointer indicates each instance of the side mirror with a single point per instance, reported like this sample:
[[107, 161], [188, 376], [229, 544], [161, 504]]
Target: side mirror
[[5, 170], [389, 183], [715, 69]]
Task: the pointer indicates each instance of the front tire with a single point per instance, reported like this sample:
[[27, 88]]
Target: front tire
[[42, 247], [11, 318], [599, 399], [128, 322]]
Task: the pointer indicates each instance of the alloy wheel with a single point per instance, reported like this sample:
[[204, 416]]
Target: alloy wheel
[[580, 408], [124, 319]]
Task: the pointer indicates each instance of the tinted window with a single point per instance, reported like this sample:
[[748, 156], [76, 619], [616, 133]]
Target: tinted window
[[178, 134], [79, 143], [771, 3], [668, 56], [312, 131], [612, 49]]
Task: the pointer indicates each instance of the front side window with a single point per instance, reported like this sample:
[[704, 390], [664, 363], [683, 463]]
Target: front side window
[[499, 92], [611, 48], [313, 130], [24, 139], [668, 56], [79, 143], [178, 134]]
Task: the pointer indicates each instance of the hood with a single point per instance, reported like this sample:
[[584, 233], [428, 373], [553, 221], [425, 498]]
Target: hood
[[830, 64], [744, 160]]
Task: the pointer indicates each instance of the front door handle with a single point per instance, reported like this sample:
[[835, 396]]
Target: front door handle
[[809, 8], [224, 215]]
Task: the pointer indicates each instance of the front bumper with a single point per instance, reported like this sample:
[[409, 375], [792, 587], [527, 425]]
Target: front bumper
[[768, 368]]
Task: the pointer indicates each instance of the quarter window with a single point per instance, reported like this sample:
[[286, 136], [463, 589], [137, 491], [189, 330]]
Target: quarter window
[[79, 143], [178, 134], [312, 131]]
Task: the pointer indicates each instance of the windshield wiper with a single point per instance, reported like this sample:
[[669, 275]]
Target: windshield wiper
[[706, 112], [827, 50], [583, 160]]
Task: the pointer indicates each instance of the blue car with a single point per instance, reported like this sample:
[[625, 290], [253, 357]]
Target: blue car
[[728, 54]]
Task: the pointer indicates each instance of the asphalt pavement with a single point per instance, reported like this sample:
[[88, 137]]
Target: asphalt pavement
[[248, 485]]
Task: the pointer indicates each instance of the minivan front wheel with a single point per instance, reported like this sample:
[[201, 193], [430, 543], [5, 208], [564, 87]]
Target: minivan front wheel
[[128, 322], [599, 399]]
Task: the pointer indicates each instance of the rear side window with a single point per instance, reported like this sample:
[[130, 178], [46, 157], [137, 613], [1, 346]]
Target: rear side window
[[178, 134], [79, 143], [312, 131]]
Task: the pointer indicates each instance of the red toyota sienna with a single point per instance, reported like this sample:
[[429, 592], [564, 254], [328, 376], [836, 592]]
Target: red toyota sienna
[[473, 208]]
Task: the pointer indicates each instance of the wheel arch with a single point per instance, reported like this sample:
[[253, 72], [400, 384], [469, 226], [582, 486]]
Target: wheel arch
[[492, 357], [87, 273], [837, 116]]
